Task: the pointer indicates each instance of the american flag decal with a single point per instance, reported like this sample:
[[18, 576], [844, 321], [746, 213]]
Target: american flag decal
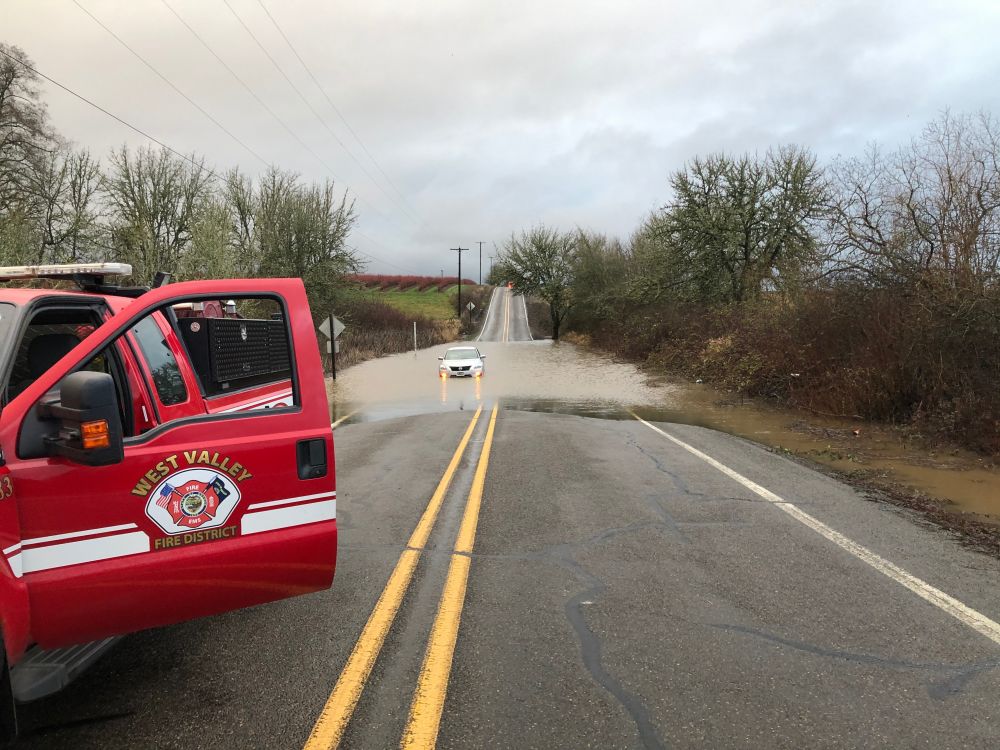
[[165, 494]]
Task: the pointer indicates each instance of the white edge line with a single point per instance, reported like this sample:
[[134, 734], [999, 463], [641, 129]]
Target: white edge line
[[527, 323], [290, 500], [946, 603], [335, 425], [75, 534], [489, 312]]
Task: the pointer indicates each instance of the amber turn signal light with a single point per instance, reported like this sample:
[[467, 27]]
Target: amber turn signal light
[[95, 434]]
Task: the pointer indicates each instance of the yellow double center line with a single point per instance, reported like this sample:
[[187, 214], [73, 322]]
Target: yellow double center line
[[333, 719], [432, 685], [505, 336]]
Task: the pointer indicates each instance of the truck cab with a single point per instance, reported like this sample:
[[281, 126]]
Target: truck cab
[[165, 454]]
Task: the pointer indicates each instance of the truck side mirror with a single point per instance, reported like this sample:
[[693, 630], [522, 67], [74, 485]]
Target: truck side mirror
[[90, 430]]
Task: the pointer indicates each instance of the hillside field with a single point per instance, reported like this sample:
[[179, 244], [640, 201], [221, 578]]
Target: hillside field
[[429, 296]]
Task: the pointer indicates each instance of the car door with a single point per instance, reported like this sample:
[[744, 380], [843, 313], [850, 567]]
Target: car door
[[204, 514]]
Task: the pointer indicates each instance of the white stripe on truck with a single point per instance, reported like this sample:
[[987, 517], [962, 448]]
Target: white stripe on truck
[[283, 518], [87, 550]]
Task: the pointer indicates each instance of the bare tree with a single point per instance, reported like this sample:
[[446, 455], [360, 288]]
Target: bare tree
[[25, 134], [540, 261], [155, 199], [927, 215], [282, 227], [65, 196]]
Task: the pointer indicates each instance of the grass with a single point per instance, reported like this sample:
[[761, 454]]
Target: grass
[[431, 303]]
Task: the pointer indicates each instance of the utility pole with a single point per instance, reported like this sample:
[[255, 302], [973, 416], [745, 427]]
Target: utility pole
[[480, 264], [460, 250]]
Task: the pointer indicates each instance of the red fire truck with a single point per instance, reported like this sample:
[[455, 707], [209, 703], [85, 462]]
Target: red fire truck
[[165, 454]]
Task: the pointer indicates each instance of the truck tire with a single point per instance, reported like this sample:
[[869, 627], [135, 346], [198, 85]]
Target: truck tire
[[8, 711]]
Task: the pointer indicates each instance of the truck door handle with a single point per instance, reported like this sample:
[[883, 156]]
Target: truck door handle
[[312, 458]]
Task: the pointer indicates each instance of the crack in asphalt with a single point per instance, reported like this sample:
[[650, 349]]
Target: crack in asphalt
[[590, 642], [959, 674], [679, 484]]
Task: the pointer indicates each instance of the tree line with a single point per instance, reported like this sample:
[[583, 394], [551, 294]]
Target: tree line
[[159, 210], [867, 286]]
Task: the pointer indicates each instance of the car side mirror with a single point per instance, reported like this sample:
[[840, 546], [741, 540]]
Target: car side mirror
[[441, 358], [482, 356], [90, 429]]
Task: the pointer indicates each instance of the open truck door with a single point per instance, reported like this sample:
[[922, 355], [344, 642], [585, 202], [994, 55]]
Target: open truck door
[[207, 511]]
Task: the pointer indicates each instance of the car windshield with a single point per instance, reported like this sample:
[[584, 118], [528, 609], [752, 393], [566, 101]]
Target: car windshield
[[461, 354]]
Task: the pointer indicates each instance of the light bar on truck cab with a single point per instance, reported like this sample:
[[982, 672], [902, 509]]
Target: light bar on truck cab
[[64, 270]]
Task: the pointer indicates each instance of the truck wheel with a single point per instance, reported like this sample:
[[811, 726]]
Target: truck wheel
[[8, 712]]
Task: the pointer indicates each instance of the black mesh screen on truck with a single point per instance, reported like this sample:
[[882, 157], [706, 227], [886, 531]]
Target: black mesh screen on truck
[[247, 348], [233, 353]]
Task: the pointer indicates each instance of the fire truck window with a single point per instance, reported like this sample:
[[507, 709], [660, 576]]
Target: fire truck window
[[166, 374], [50, 335]]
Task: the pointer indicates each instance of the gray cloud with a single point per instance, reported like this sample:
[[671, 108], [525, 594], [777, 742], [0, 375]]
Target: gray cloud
[[490, 116]]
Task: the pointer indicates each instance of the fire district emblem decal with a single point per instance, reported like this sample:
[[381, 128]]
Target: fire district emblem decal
[[192, 499]]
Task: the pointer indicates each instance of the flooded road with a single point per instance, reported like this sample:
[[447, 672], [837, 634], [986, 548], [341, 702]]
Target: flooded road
[[536, 376], [560, 377]]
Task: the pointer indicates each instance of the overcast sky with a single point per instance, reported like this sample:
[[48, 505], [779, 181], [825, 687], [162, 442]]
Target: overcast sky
[[487, 117]]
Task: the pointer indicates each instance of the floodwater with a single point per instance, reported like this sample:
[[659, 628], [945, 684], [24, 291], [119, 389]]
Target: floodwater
[[561, 377]]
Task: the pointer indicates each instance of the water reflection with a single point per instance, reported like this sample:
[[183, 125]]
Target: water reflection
[[561, 378]]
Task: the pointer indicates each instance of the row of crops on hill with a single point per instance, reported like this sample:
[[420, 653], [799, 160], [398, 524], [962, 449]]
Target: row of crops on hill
[[383, 282]]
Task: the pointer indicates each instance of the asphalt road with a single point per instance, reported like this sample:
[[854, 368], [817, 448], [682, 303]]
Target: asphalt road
[[506, 318], [583, 583]]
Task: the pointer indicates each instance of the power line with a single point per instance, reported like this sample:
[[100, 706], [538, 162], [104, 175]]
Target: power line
[[113, 116], [329, 100], [252, 93], [166, 80], [305, 101], [171, 149]]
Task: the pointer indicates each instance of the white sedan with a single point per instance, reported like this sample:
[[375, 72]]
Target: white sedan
[[461, 362]]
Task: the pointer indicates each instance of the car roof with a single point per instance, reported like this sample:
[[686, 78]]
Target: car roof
[[462, 349]]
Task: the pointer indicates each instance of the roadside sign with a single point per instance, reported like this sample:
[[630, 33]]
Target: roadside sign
[[471, 306], [338, 327], [333, 347]]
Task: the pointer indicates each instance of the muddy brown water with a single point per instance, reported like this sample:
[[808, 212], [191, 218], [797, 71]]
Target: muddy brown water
[[561, 377]]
